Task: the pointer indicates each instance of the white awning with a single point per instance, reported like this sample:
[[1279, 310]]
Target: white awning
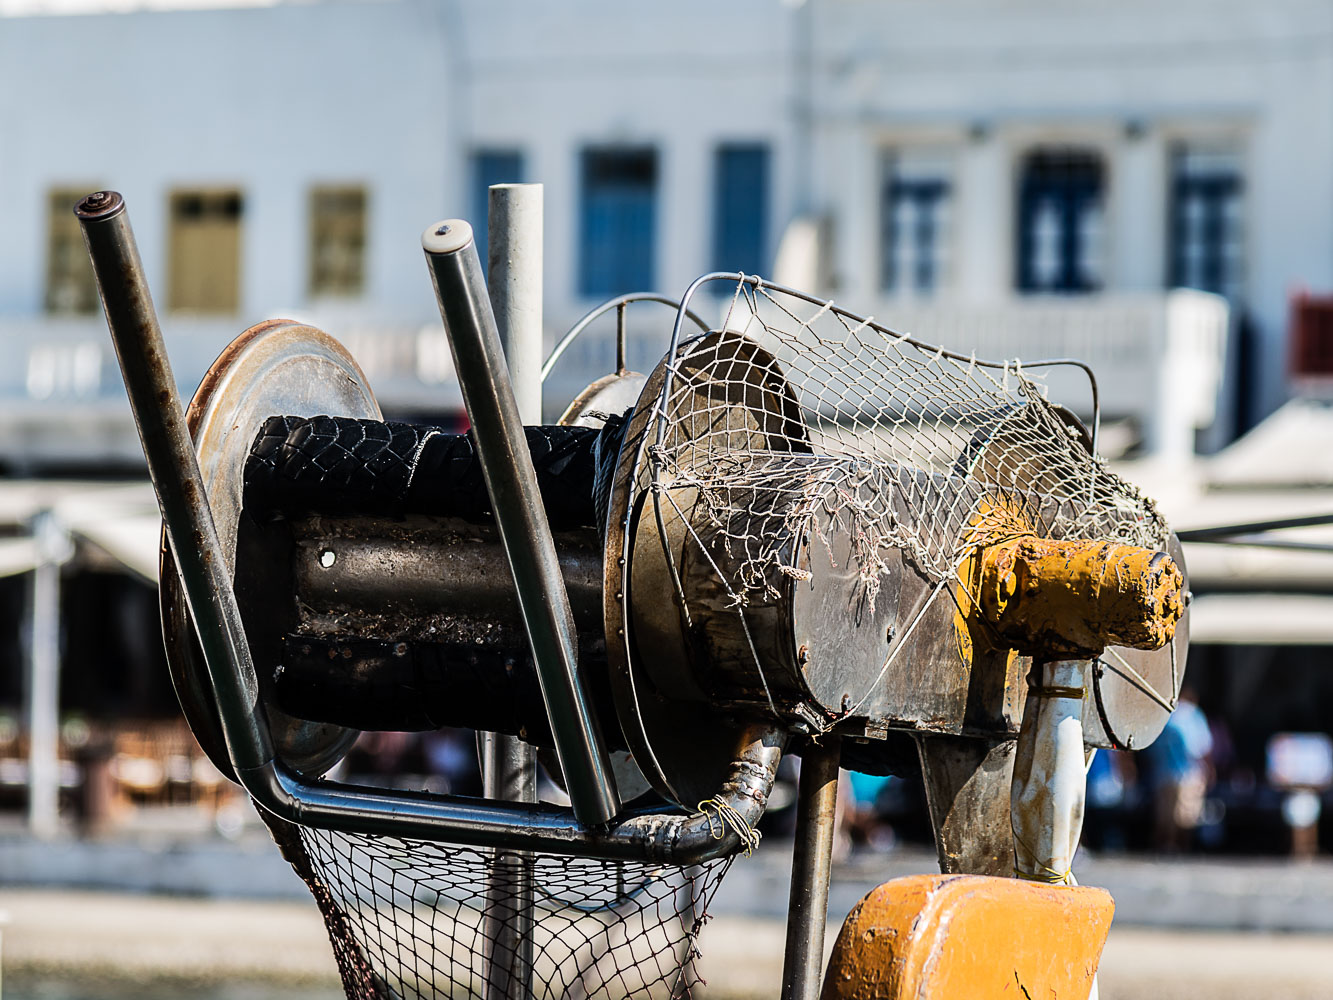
[[1262, 619], [17, 555], [121, 519]]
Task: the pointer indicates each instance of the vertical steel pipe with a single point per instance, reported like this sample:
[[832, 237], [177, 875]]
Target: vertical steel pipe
[[519, 516], [175, 473], [811, 864], [514, 277], [509, 765]]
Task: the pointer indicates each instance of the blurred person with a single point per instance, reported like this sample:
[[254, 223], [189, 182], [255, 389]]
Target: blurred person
[[862, 818], [1110, 779], [1180, 774]]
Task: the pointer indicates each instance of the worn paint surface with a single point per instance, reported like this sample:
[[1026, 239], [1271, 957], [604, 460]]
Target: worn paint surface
[[946, 937], [1074, 598]]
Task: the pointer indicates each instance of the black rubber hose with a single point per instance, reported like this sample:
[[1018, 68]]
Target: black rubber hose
[[344, 465]]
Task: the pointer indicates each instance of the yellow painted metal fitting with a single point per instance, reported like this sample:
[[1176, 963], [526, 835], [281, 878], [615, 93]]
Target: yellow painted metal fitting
[[1066, 599], [946, 937]]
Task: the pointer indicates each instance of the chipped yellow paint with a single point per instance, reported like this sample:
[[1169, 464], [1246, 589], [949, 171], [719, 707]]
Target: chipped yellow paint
[[1074, 598], [1048, 598], [948, 937]]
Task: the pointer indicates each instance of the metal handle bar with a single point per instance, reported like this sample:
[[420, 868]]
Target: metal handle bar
[[620, 303], [520, 519]]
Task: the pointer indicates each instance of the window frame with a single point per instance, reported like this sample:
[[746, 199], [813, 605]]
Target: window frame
[[356, 287]]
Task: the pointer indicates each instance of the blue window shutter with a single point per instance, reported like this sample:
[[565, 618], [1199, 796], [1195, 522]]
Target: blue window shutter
[[740, 208], [490, 166], [618, 221], [1057, 188]]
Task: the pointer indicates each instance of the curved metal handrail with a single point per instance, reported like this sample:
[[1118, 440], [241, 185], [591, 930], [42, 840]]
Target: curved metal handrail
[[619, 303]]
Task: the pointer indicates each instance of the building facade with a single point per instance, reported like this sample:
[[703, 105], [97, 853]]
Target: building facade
[[1018, 178]]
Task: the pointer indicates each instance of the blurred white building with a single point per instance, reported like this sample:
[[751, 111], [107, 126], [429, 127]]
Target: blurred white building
[[1018, 178]]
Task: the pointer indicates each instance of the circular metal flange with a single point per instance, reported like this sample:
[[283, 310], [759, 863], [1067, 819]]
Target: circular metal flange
[[1134, 691], [682, 743], [279, 367], [610, 396]]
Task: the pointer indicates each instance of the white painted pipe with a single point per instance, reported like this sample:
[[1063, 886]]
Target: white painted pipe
[[508, 765], [514, 274], [1050, 774]]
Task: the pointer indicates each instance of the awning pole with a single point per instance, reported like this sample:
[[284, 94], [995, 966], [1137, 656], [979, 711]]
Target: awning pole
[[44, 678]]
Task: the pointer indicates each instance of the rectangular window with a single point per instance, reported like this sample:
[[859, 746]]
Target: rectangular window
[[205, 251], [914, 221], [740, 209], [1061, 221], [1207, 225], [71, 288], [337, 241], [618, 221], [490, 166]]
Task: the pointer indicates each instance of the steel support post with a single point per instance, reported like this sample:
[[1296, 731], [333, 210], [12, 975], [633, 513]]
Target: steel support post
[[811, 863], [509, 765], [519, 516]]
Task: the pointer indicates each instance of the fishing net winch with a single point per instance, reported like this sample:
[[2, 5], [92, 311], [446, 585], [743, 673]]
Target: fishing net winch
[[801, 532]]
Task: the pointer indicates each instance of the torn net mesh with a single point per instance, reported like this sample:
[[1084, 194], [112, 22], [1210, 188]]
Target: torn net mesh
[[416, 920], [801, 421]]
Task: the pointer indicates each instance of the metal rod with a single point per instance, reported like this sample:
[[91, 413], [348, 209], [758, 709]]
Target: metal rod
[[812, 859], [508, 774], [174, 469], [514, 277], [474, 822], [622, 334], [519, 517], [1226, 530], [1263, 542], [509, 765]]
